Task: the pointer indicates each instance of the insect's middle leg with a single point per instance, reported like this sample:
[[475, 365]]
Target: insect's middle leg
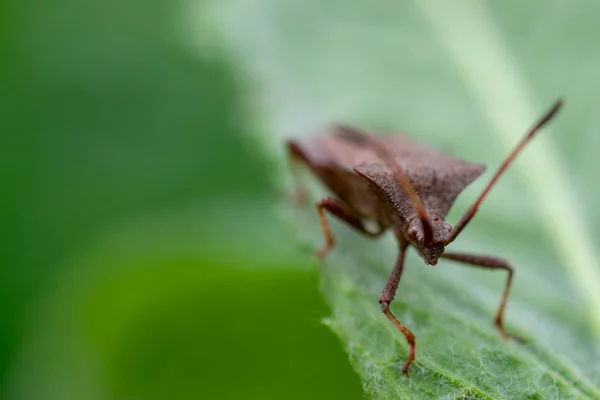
[[343, 212], [490, 263], [387, 296]]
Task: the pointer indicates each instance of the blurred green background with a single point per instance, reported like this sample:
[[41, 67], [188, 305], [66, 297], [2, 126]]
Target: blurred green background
[[141, 254]]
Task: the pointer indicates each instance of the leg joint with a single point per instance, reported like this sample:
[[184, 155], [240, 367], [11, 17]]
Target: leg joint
[[385, 306]]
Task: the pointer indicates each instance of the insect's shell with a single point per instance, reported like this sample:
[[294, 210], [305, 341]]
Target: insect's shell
[[436, 177]]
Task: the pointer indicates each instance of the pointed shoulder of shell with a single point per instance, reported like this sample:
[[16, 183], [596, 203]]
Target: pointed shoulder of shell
[[437, 178]]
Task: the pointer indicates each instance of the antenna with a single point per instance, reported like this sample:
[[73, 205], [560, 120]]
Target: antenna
[[470, 213]]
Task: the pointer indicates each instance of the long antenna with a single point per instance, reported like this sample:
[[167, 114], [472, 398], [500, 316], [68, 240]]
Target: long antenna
[[367, 140], [470, 213]]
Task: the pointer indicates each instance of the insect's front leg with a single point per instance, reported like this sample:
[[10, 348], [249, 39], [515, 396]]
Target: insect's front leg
[[387, 296], [343, 212], [488, 262]]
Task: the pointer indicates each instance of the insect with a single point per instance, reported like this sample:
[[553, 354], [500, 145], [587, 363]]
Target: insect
[[405, 187]]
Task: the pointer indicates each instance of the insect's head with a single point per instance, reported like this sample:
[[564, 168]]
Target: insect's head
[[435, 248]]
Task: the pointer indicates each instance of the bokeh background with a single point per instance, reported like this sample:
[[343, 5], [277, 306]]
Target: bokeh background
[[143, 255]]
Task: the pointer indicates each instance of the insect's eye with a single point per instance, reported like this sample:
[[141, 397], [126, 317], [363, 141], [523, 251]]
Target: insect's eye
[[412, 233]]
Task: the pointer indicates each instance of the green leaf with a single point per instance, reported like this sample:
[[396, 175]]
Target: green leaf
[[467, 78]]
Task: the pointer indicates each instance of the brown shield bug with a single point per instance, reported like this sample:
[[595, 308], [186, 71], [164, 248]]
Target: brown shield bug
[[402, 186]]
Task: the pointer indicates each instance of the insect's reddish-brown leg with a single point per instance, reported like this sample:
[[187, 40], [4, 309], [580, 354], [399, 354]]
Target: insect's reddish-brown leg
[[387, 296], [490, 263], [343, 212]]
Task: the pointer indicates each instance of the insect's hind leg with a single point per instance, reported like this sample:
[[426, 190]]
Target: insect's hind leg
[[343, 212], [488, 262]]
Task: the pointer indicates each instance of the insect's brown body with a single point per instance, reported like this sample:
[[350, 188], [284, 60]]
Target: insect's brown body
[[402, 186], [361, 180]]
